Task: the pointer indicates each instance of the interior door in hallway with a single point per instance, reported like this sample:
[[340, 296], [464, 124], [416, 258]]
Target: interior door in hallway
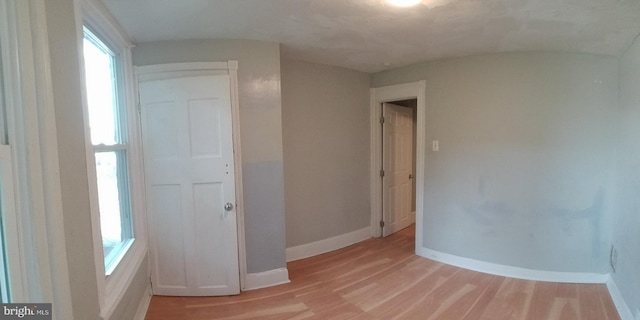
[[188, 157], [398, 168]]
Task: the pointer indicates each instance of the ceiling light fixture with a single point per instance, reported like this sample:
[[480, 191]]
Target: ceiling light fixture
[[403, 3]]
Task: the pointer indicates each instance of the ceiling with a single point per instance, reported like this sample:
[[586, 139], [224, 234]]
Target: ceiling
[[370, 36]]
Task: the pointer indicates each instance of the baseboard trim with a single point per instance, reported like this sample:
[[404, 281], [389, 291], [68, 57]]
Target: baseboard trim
[[327, 245], [266, 279], [144, 304], [618, 300], [512, 272]]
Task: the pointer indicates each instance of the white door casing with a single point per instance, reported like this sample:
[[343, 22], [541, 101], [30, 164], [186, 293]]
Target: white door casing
[[413, 90], [398, 166], [189, 172]]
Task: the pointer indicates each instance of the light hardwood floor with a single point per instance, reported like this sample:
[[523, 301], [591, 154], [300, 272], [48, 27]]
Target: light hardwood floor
[[383, 279]]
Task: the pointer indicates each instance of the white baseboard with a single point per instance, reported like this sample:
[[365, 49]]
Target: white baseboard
[[513, 272], [326, 245], [144, 304], [266, 279], [618, 300]]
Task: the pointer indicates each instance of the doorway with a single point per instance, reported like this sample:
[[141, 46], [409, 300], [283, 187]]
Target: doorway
[[379, 96]]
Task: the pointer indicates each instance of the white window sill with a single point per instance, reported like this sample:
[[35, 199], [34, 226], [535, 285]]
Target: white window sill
[[119, 252]]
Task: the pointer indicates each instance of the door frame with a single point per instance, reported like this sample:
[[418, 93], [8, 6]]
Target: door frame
[[188, 69], [413, 90]]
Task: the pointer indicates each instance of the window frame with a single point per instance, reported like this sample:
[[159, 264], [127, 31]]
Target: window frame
[[35, 230], [13, 279], [10, 268], [7, 206], [112, 287], [112, 259]]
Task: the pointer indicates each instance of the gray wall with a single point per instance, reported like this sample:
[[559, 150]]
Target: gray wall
[[524, 172], [65, 65], [325, 125], [626, 237], [261, 134]]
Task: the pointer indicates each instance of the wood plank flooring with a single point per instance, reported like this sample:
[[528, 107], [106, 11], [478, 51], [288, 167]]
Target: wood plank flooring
[[383, 279]]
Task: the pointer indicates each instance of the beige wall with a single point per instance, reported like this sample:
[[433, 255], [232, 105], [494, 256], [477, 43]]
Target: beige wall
[[261, 134], [524, 172], [65, 65], [626, 238], [325, 117]]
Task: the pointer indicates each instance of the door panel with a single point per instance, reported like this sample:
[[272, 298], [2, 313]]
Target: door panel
[[205, 125], [166, 201], [159, 126], [209, 230], [189, 168], [398, 167]]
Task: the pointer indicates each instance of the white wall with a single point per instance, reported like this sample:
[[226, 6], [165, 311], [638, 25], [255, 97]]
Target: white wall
[[261, 134], [524, 172], [325, 125], [626, 238]]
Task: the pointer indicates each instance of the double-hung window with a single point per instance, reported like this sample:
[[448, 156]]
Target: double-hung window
[[110, 143]]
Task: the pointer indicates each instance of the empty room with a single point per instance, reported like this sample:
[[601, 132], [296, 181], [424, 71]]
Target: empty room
[[305, 159]]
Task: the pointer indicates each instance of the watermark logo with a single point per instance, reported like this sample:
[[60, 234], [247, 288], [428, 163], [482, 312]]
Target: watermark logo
[[28, 311]]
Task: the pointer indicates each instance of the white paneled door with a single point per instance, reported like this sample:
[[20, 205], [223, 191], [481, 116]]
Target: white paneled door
[[188, 157], [398, 166]]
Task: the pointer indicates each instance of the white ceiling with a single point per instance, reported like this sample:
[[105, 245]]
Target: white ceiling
[[370, 36]]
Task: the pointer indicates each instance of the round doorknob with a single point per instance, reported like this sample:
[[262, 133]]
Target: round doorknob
[[228, 206]]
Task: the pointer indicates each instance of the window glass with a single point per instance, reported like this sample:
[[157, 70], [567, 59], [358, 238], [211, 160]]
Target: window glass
[[102, 97]]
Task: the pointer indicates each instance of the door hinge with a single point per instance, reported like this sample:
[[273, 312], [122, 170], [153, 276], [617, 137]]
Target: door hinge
[[381, 119], [381, 223], [381, 173]]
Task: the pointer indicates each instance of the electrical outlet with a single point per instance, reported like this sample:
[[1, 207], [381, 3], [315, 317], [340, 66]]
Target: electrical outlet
[[613, 259], [435, 145]]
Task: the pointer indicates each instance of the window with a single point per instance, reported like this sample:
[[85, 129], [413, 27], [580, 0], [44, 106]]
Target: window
[[114, 160], [7, 201], [108, 132], [33, 237], [5, 183]]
